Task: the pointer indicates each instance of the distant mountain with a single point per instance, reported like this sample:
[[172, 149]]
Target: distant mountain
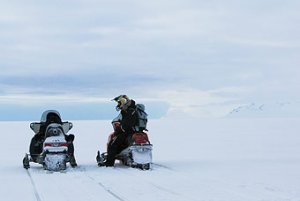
[[277, 109]]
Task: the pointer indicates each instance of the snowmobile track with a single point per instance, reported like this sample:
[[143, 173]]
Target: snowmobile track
[[151, 184], [36, 193], [162, 166], [107, 189]]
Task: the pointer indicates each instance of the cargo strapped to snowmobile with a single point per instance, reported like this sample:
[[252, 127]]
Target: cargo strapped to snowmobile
[[142, 118]]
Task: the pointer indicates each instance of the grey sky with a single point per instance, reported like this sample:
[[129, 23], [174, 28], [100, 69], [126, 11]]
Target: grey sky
[[198, 57]]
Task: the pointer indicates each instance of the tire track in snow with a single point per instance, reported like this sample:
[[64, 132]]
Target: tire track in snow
[[211, 185], [36, 193], [73, 176], [168, 193], [185, 178], [65, 184], [162, 166], [106, 188]]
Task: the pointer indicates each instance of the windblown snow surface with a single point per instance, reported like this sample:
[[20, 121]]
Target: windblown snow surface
[[193, 160]]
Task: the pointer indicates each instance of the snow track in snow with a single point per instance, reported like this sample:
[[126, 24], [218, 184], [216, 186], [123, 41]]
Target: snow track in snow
[[139, 183], [160, 165], [107, 189], [150, 184], [72, 184], [36, 194], [121, 183]]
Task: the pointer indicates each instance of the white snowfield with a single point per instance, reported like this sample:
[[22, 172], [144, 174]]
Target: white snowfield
[[194, 160]]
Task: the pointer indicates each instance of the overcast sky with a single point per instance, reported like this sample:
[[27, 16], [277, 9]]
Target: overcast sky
[[181, 57]]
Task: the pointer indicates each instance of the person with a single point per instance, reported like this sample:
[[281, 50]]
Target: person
[[36, 143], [123, 128]]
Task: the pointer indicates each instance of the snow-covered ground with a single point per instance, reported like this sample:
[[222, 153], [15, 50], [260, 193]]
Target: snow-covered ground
[[203, 160]]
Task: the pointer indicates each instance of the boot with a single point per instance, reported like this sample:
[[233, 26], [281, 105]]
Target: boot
[[101, 159]]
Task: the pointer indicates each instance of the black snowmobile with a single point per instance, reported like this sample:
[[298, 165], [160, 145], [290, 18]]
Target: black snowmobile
[[51, 146]]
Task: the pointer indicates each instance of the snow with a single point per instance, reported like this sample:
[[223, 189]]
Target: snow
[[232, 159]]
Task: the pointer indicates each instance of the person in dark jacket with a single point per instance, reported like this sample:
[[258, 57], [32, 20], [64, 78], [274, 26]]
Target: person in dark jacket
[[127, 119]]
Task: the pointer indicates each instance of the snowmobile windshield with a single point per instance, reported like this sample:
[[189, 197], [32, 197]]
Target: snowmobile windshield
[[54, 130], [51, 116]]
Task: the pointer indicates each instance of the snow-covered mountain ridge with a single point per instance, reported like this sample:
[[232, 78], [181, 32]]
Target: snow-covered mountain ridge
[[270, 109]]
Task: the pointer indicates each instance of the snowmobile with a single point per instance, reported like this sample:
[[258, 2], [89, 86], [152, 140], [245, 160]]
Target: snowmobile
[[137, 155], [54, 155]]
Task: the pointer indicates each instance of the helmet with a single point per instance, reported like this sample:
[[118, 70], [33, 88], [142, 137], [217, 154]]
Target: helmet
[[123, 102]]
